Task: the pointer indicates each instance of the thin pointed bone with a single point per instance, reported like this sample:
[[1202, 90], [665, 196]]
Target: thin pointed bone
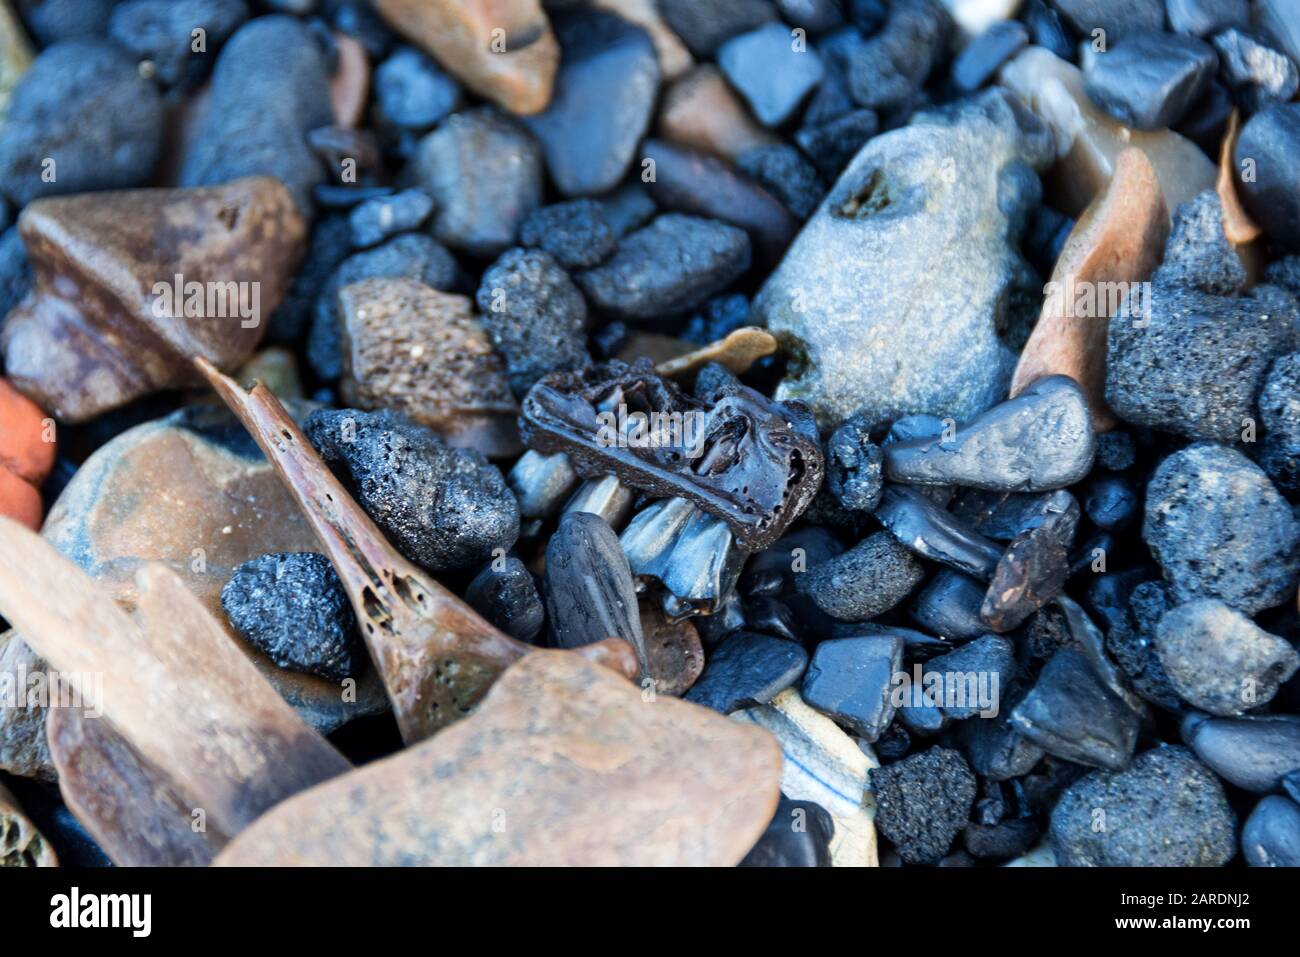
[[436, 656], [169, 679]]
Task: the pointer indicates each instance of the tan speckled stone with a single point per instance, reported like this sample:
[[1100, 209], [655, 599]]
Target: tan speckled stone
[[564, 763], [422, 352]]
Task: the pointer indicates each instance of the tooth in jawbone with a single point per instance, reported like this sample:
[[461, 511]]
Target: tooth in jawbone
[[607, 497], [693, 555]]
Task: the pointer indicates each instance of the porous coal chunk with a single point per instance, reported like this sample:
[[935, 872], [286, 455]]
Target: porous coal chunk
[[1219, 660], [162, 32], [1191, 363], [292, 607], [1197, 253], [484, 172], [867, 580], [1252, 753], [671, 266], [443, 508], [855, 466], [1271, 835], [890, 67], [1132, 612], [773, 76], [1148, 80], [83, 105], [377, 219], [747, 670], [412, 92], [1219, 529], [782, 171], [798, 836], [269, 89], [1111, 502], [412, 256], [1070, 713], [575, 232], [507, 597], [1258, 74], [923, 802], [1269, 144], [1166, 810], [1279, 413], [852, 681], [534, 315], [704, 25]]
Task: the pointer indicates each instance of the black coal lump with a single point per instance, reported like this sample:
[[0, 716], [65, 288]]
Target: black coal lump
[[1148, 80], [782, 171], [1166, 810], [747, 669], [292, 607], [799, 835], [575, 232], [852, 681], [855, 466], [923, 802], [443, 508], [868, 579], [505, 594]]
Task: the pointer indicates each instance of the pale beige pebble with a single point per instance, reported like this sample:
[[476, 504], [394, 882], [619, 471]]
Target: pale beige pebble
[[1118, 239], [564, 763], [350, 84], [15, 53], [21, 844], [700, 110], [1238, 227], [424, 353], [973, 17], [826, 766], [504, 50], [1088, 142], [277, 367], [736, 352], [674, 58]]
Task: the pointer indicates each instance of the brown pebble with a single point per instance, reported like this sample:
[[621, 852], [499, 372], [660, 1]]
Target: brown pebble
[[1119, 238], [1238, 227], [422, 352], [102, 325], [701, 111], [21, 845], [674, 650], [564, 764], [502, 49], [350, 84], [736, 353]]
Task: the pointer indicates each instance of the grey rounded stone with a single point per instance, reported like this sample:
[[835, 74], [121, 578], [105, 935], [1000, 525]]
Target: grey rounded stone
[[1252, 753], [83, 105], [1219, 660], [1279, 414], [162, 32], [1219, 529], [1148, 80], [1271, 835], [915, 243], [1167, 810]]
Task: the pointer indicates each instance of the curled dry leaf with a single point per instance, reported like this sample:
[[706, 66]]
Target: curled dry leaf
[[736, 352], [436, 656], [169, 680], [1119, 239], [564, 764]]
